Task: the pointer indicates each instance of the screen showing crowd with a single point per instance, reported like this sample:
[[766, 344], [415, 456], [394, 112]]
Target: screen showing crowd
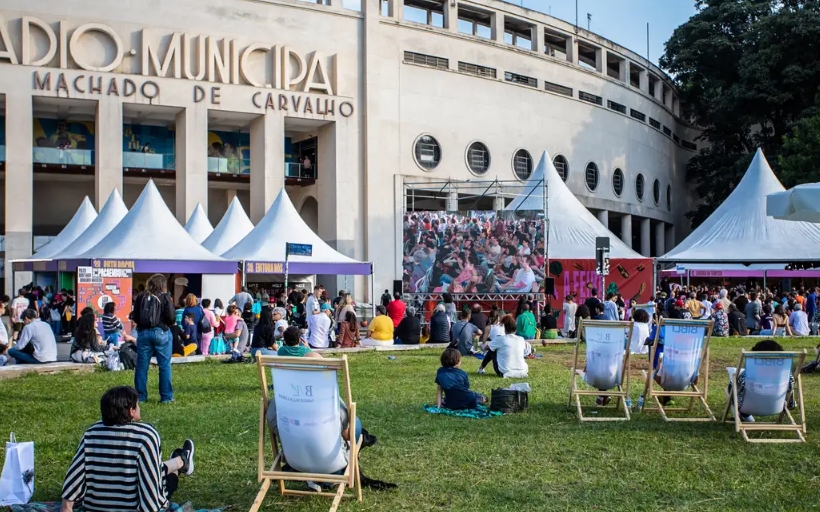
[[473, 252]]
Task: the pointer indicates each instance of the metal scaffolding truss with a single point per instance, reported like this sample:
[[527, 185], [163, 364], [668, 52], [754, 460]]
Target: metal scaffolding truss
[[464, 191], [473, 297]]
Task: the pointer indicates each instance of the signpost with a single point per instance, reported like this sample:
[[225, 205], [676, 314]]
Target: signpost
[[295, 250], [602, 260]]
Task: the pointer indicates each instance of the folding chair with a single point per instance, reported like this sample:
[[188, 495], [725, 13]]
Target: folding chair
[[683, 365], [607, 366], [766, 393], [308, 417]]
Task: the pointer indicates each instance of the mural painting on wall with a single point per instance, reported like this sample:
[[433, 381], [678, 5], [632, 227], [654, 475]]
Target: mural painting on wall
[[235, 147], [63, 141]]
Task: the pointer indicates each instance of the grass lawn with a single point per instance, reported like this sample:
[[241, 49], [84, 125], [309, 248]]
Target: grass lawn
[[543, 459]]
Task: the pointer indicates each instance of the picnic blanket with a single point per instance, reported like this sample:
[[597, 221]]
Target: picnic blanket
[[54, 506], [480, 413]]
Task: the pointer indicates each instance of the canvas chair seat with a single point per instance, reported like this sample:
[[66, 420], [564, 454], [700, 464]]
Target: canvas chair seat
[[308, 420], [606, 367], [766, 392], [305, 406], [683, 369]]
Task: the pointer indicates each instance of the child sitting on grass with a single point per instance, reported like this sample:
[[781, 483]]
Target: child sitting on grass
[[455, 384]]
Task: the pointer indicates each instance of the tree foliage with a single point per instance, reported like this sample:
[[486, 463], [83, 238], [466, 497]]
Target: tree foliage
[[749, 73]]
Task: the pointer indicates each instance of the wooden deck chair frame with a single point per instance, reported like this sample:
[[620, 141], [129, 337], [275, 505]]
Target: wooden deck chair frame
[[621, 392], [798, 428], [351, 478], [699, 392]]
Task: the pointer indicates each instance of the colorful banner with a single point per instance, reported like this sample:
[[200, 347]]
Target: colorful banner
[[98, 286], [631, 278]]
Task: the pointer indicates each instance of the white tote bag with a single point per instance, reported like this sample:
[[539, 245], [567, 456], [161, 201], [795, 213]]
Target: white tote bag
[[17, 479]]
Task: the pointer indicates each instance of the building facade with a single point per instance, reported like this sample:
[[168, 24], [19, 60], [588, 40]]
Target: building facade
[[341, 103]]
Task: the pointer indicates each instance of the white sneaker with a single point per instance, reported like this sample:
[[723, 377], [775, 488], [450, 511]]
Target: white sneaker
[[481, 371], [314, 486]]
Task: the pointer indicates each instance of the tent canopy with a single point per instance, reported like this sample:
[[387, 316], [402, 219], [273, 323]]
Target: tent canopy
[[801, 203], [282, 224], [150, 232], [84, 217], [111, 214], [198, 226], [740, 231], [234, 226], [572, 228]]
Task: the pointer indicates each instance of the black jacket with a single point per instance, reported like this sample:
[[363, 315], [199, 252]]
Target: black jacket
[[167, 317], [409, 330], [737, 323], [439, 328]]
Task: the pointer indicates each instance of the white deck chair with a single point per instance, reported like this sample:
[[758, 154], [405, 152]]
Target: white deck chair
[[306, 395], [607, 366], [683, 369], [766, 393]]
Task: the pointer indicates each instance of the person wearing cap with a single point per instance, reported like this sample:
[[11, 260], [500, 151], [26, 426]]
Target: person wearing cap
[[721, 327], [319, 325], [799, 321]]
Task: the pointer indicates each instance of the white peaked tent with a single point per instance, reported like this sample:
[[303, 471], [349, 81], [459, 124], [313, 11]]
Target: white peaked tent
[[111, 214], [234, 226], [572, 228], [83, 218], [282, 224], [149, 232], [198, 226], [801, 203], [740, 231]]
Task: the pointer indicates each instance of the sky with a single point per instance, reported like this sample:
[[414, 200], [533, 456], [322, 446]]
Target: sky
[[622, 21]]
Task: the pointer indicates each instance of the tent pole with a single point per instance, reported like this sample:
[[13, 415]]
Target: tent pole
[[687, 278], [764, 281], [372, 294], [245, 274]]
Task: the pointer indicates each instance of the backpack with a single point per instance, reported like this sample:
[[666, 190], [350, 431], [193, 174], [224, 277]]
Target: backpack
[[128, 355], [150, 311], [204, 324]]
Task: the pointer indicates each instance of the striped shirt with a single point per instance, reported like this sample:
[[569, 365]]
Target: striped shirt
[[111, 324], [118, 468]]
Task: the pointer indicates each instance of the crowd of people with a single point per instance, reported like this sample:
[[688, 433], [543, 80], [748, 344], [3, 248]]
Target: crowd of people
[[448, 252]]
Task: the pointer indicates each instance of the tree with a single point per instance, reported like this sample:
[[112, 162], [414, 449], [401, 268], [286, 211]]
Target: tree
[[748, 71], [800, 159]]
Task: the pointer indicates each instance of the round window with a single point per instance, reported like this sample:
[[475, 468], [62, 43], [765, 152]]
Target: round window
[[562, 166], [669, 197], [656, 192], [639, 186], [618, 182], [427, 152], [522, 164], [592, 176], [478, 158]]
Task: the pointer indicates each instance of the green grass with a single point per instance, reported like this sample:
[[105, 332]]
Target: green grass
[[543, 459]]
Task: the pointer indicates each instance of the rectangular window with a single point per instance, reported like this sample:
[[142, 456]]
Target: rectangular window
[[585, 96], [520, 79], [654, 123], [617, 107], [667, 131], [640, 116], [689, 145], [560, 89], [429, 61], [475, 69], [675, 137]]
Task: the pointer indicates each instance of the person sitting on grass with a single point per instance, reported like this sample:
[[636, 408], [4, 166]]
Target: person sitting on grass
[[118, 463], [185, 338], [88, 345], [36, 344], [525, 323], [761, 346], [113, 331], [293, 347], [455, 384], [507, 352], [3, 357]]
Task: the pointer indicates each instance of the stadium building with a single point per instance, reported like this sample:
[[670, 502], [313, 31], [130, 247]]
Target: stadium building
[[343, 103]]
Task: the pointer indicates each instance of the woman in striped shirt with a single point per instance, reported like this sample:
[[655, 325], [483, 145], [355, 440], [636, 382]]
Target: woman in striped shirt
[[118, 465]]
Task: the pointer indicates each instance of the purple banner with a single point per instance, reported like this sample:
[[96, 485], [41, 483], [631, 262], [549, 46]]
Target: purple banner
[[309, 268], [141, 266]]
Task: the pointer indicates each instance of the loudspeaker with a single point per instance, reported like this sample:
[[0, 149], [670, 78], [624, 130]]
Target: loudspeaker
[[549, 286], [397, 286]]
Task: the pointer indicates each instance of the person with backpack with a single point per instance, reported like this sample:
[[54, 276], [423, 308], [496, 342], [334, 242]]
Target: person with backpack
[[154, 315]]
